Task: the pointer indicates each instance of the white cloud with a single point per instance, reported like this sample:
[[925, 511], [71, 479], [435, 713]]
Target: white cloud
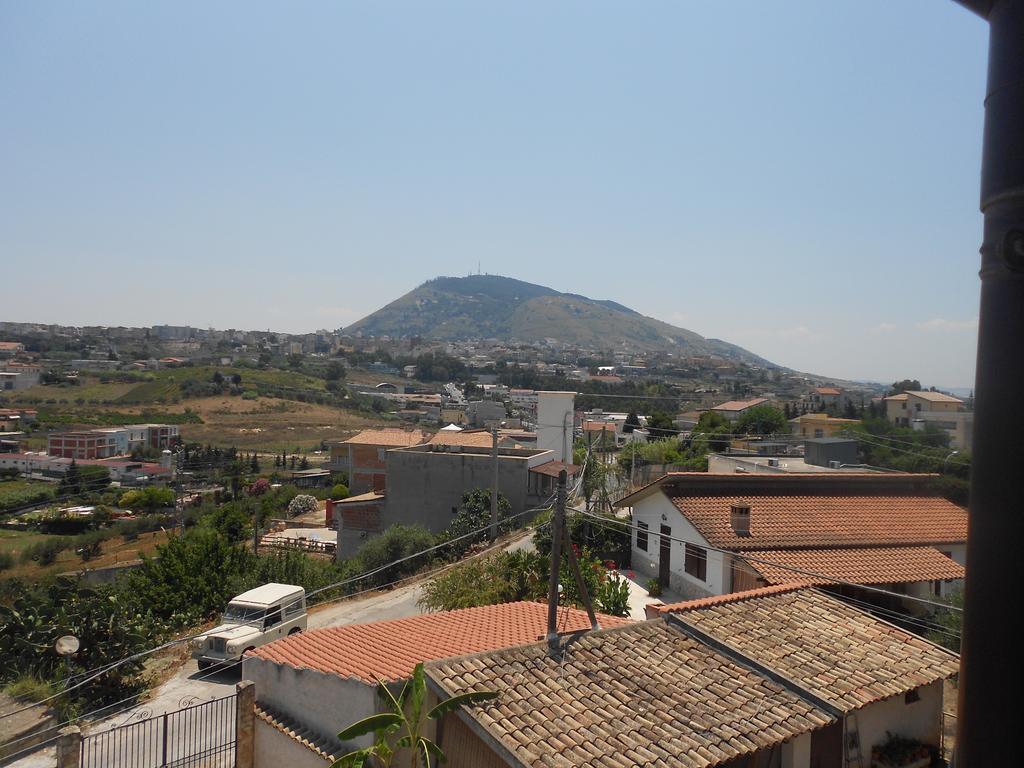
[[882, 328], [943, 324]]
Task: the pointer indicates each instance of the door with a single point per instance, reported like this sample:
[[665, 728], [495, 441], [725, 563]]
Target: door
[[664, 555], [827, 746]]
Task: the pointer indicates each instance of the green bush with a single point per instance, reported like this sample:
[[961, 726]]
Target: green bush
[[613, 596], [6, 561], [45, 552], [339, 491], [397, 542]]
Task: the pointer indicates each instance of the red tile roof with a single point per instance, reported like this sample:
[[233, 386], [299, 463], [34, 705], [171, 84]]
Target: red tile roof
[[828, 391], [553, 468], [391, 438], [785, 521], [859, 565], [389, 650], [813, 510], [732, 597], [740, 405]]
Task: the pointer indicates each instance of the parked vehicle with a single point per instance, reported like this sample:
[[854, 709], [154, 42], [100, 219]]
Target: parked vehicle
[[252, 619]]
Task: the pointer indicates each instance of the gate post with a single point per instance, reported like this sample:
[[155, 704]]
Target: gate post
[[245, 724], [69, 747]]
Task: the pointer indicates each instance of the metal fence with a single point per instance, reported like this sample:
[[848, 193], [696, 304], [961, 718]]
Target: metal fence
[[198, 736]]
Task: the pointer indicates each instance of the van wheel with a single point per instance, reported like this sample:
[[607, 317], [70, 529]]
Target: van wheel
[[294, 631]]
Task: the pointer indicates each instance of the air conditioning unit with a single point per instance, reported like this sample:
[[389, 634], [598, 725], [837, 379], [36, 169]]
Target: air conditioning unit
[[834, 464], [773, 462]]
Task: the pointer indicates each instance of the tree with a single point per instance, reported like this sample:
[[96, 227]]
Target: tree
[[405, 715], [304, 464], [335, 371], [254, 464], [762, 420], [907, 385], [475, 513], [218, 378], [295, 361], [632, 422], [660, 424]]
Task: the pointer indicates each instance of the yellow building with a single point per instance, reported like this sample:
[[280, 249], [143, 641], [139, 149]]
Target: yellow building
[[819, 425]]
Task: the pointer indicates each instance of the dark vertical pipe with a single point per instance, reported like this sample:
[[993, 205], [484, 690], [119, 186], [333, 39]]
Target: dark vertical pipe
[[990, 706]]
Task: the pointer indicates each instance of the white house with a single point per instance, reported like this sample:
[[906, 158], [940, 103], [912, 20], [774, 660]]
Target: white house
[[703, 534]]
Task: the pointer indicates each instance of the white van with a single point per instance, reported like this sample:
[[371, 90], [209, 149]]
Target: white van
[[254, 618]]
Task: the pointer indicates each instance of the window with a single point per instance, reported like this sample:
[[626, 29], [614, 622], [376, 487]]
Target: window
[[293, 609], [696, 562], [912, 696], [641, 536], [273, 618]]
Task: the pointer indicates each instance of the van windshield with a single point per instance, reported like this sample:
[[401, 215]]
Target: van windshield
[[244, 613]]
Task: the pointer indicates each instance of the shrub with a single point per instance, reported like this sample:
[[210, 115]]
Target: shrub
[[6, 560], [339, 491], [613, 596], [302, 504], [45, 552], [397, 542], [653, 588]]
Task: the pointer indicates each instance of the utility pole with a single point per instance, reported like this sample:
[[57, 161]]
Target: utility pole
[[988, 707], [494, 483], [557, 524]]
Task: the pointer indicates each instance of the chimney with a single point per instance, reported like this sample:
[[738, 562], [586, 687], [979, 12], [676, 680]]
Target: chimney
[[739, 518]]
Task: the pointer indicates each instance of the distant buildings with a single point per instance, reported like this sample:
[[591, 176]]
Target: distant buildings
[[734, 409], [918, 410], [112, 441]]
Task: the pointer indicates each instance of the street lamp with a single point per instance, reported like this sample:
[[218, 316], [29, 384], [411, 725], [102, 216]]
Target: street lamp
[[946, 460]]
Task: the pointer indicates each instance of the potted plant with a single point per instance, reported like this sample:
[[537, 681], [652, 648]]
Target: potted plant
[[901, 752], [654, 588]]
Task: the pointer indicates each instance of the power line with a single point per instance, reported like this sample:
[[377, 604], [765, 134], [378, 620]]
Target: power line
[[90, 675]]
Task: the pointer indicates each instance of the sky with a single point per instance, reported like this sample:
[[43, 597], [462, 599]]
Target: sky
[[798, 178]]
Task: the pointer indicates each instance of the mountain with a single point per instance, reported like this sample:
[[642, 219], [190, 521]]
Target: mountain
[[495, 307]]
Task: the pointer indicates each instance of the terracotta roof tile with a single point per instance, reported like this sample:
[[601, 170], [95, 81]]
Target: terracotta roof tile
[[646, 694], [553, 468], [860, 565], [815, 510], [843, 655], [390, 650], [392, 438], [740, 405]]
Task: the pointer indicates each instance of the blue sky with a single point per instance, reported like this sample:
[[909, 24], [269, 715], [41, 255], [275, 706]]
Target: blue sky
[[800, 178]]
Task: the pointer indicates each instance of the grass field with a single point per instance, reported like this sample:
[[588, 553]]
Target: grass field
[[274, 420], [17, 493], [115, 551]]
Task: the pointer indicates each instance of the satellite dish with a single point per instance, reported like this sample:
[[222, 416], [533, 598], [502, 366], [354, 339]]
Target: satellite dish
[[66, 645]]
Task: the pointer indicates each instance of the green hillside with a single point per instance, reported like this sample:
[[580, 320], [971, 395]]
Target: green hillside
[[490, 306]]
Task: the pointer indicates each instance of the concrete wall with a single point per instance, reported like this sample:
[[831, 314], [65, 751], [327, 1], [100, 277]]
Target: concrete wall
[[274, 749], [555, 423], [425, 487], [920, 720], [650, 510], [325, 703], [796, 753]]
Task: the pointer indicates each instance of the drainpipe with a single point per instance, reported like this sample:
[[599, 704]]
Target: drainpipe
[[990, 709]]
